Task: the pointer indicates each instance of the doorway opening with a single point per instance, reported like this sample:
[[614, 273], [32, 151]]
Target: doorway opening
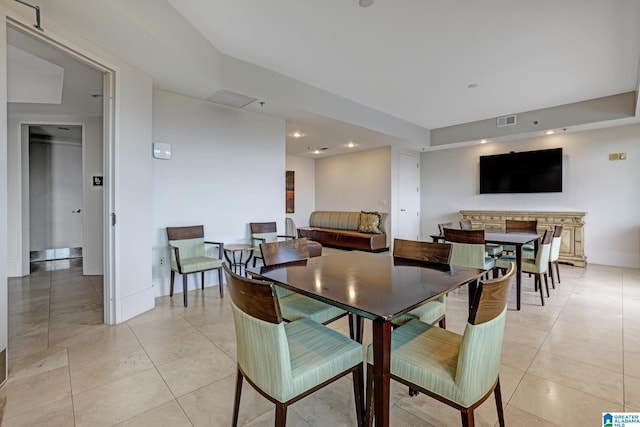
[[60, 118]]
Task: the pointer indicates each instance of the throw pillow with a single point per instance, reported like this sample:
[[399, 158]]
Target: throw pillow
[[369, 222]]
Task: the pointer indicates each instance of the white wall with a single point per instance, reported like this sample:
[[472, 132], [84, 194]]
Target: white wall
[[227, 169], [606, 190], [354, 182], [305, 185], [93, 209], [4, 316]]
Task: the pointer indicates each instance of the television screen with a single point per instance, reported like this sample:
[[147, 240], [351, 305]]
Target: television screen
[[526, 172]]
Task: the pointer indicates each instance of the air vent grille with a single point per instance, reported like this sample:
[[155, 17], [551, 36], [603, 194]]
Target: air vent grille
[[506, 121], [230, 99]]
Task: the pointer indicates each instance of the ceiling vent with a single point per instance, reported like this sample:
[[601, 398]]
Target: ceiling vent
[[506, 121], [230, 99]]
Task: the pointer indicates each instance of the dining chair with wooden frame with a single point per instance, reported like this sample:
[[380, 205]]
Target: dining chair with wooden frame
[[286, 362], [433, 253], [461, 371]]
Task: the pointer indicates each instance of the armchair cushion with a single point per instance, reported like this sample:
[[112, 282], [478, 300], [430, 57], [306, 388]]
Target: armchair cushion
[[427, 313], [196, 264], [295, 306], [318, 353]]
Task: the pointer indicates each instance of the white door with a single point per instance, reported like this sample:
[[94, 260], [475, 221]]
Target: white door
[[55, 193], [409, 197]]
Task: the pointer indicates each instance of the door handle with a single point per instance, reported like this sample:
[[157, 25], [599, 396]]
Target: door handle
[[77, 211], [403, 210]]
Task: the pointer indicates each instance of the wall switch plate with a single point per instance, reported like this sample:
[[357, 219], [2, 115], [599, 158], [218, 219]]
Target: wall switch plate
[[161, 150], [618, 156]]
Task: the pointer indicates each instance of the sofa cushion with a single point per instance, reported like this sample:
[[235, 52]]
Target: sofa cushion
[[369, 222]]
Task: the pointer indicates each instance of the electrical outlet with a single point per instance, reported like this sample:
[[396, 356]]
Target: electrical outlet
[[161, 260]]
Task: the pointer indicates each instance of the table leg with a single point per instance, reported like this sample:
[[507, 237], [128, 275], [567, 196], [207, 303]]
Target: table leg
[[382, 365], [518, 275]]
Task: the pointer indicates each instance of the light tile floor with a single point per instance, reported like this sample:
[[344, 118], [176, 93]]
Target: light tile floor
[[562, 364]]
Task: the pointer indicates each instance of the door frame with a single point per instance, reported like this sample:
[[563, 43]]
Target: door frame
[[108, 117]]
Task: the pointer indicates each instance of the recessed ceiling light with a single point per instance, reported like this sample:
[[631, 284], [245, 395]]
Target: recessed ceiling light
[[350, 144], [550, 132], [296, 134], [317, 150], [483, 141]]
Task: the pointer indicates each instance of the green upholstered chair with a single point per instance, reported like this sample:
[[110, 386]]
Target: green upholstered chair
[[554, 253], [493, 249], [435, 253], [537, 266], [469, 249], [264, 232], [296, 306], [188, 255], [283, 361], [459, 370]]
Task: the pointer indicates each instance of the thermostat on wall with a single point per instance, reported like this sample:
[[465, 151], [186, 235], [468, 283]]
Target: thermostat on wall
[[161, 150]]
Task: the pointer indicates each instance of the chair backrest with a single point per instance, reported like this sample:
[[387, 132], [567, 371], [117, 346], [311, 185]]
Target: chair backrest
[[520, 226], [262, 227], [466, 224], [444, 225], [189, 240], [285, 251], [468, 247], [556, 242], [439, 253], [544, 250], [479, 356], [262, 347]]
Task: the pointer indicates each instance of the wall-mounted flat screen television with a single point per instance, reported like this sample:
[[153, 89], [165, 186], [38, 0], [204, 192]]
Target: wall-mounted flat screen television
[[537, 171]]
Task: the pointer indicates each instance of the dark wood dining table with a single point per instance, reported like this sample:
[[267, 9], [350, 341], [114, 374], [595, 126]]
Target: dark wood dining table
[[515, 239], [372, 286]]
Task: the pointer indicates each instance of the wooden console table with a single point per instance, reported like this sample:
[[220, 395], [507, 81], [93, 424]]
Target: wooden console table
[[572, 246]]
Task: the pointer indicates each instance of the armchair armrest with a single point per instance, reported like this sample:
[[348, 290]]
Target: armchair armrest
[[220, 247], [286, 237], [176, 252]]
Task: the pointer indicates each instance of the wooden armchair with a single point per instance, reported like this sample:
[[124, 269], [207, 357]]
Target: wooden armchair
[[188, 255], [264, 232]]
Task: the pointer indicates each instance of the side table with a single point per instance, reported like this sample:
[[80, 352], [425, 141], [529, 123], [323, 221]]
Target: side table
[[236, 254]]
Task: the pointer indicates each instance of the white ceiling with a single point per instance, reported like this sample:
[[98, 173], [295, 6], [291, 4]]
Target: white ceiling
[[404, 64]]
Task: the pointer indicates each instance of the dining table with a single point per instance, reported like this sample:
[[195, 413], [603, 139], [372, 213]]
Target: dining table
[[514, 239], [374, 286], [517, 240]]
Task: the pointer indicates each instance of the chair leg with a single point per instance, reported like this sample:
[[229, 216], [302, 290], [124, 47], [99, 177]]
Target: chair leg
[[184, 288], [220, 283], [368, 413], [546, 284], [358, 388], [236, 405], [557, 270], [281, 415], [202, 282], [553, 281], [498, 396], [173, 278], [539, 283], [467, 418], [443, 323]]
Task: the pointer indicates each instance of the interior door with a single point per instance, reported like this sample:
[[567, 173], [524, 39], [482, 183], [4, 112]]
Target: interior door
[[409, 197], [55, 193]]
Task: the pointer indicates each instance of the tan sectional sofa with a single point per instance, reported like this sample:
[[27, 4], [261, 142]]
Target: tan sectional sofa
[[339, 229]]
